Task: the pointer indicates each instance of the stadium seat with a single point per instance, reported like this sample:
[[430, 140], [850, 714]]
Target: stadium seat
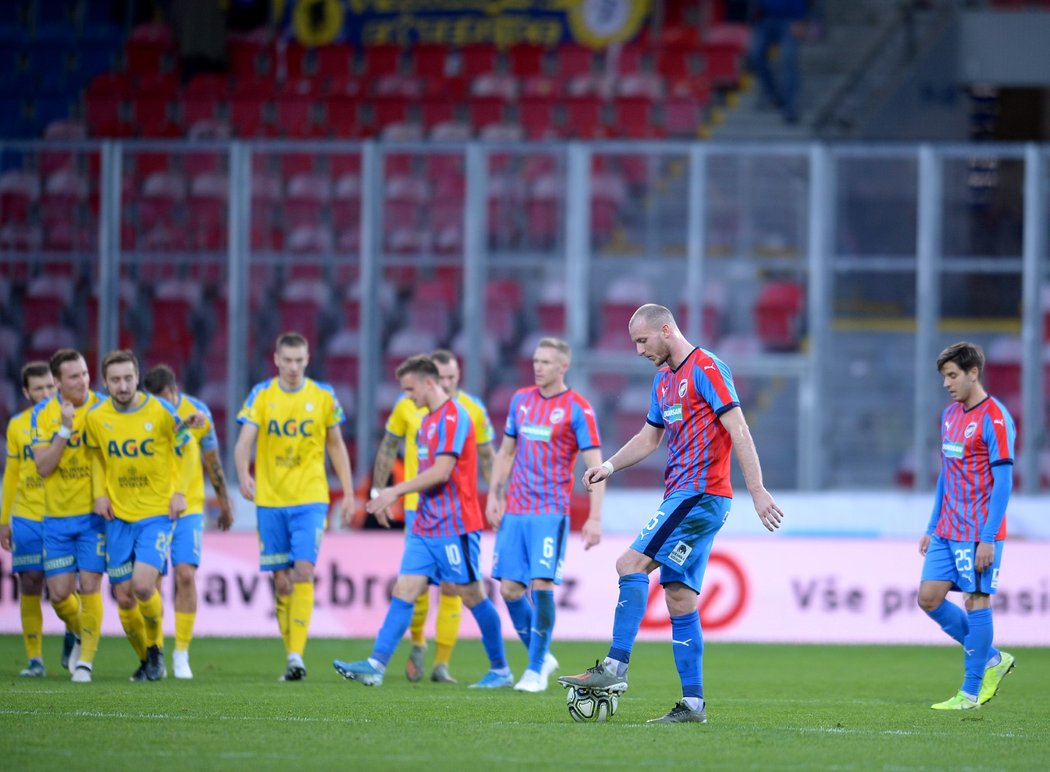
[[310, 239], [430, 60], [334, 62], [778, 315], [251, 56], [381, 59], [46, 340], [477, 59], [527, 60], [19, 191], [342, 357], [572, 60], [306, 199]]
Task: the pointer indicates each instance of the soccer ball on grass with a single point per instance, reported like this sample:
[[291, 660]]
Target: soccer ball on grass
[[590, 705]]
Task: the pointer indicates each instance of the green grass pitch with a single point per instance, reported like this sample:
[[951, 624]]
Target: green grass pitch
[[770, 707]]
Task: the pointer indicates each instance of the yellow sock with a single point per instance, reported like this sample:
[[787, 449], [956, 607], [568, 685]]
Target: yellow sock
[[153, 615], [450, 610], [184, 629], [135, 628], [284, 603], [300, 609], [90, 626], [69, 612], [32, 626], [419, 619]]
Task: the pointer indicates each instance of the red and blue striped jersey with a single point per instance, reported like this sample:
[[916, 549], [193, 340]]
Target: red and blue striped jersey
[[452, 507], [972, 442], [549, 432], [686, 403]]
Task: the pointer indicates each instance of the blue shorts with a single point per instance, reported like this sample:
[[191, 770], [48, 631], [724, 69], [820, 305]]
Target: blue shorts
[[76, 543], [27, 545], [530, 547], [288, 534], [410, 517], [144, 541], [452, 559], [186, 540], [679, 536], [952, 561]]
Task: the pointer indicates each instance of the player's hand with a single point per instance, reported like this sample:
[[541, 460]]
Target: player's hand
[[383, 517], [384, 498], [247, 486], [924, 543], [348, 509], [103, 507], [984, 556], [67, 412], [768, 511], [176, 506], [225, 520], [595, 475], [591, 533], [494, 512], [5, 537], [196, 421]]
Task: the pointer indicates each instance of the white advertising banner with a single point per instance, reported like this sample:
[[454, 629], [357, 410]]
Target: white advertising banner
[[761, 589]]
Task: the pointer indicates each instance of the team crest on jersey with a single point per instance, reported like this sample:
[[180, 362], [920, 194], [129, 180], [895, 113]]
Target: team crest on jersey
[[970, 429], [430, 430], [148, 426], [683, 387], [680, 553], [557, 415], [309, 406]]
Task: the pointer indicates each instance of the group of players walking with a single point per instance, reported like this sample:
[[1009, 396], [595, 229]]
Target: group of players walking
[[114, 484]]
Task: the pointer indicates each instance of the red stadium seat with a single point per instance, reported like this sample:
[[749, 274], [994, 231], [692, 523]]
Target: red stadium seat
[[526, 60], [381, 59], [430, 60], [251, 56], [246, 117], [778, 315], [477, 59], [584, 118], [572, 60], [334, 61]]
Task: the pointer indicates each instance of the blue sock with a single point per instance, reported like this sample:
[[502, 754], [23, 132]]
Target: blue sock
[[398, 618], [630, 608], [687, 642], [542, 624], [975, 649], [521, 615], [952, 620], [487, 617]]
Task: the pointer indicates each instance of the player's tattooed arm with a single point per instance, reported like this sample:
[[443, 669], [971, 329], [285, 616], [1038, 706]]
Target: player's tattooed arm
[[385, 457], [217, 476]]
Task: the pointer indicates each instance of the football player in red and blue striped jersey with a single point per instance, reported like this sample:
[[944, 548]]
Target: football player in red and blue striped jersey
[[694, 404], [548, 425], [445, 539], [963, 543]]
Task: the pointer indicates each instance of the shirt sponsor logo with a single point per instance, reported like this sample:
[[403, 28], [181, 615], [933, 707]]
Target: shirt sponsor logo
[[672, 413], [680, 553], [290, 428], [536, 433], [952, 449], [557, 415], [970, 429]]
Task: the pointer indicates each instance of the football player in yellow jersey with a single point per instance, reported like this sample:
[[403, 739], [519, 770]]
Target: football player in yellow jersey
[[291, 421], [74, 536], [22, 516], [189, 528], [403, 425], [139, 485]]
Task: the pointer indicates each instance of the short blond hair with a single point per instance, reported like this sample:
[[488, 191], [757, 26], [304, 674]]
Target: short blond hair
[[559, 345], [653, 315]]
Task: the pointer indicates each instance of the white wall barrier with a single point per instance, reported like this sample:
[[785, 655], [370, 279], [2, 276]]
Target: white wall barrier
[[763, 589]]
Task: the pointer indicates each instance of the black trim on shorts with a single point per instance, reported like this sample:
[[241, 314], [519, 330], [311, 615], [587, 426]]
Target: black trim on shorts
[[464, 546], [672, 522]]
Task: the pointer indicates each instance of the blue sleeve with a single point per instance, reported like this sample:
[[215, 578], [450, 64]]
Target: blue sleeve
[[938, 499], [655, 416], [510, 427], [209, 441], [1002, 484]]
